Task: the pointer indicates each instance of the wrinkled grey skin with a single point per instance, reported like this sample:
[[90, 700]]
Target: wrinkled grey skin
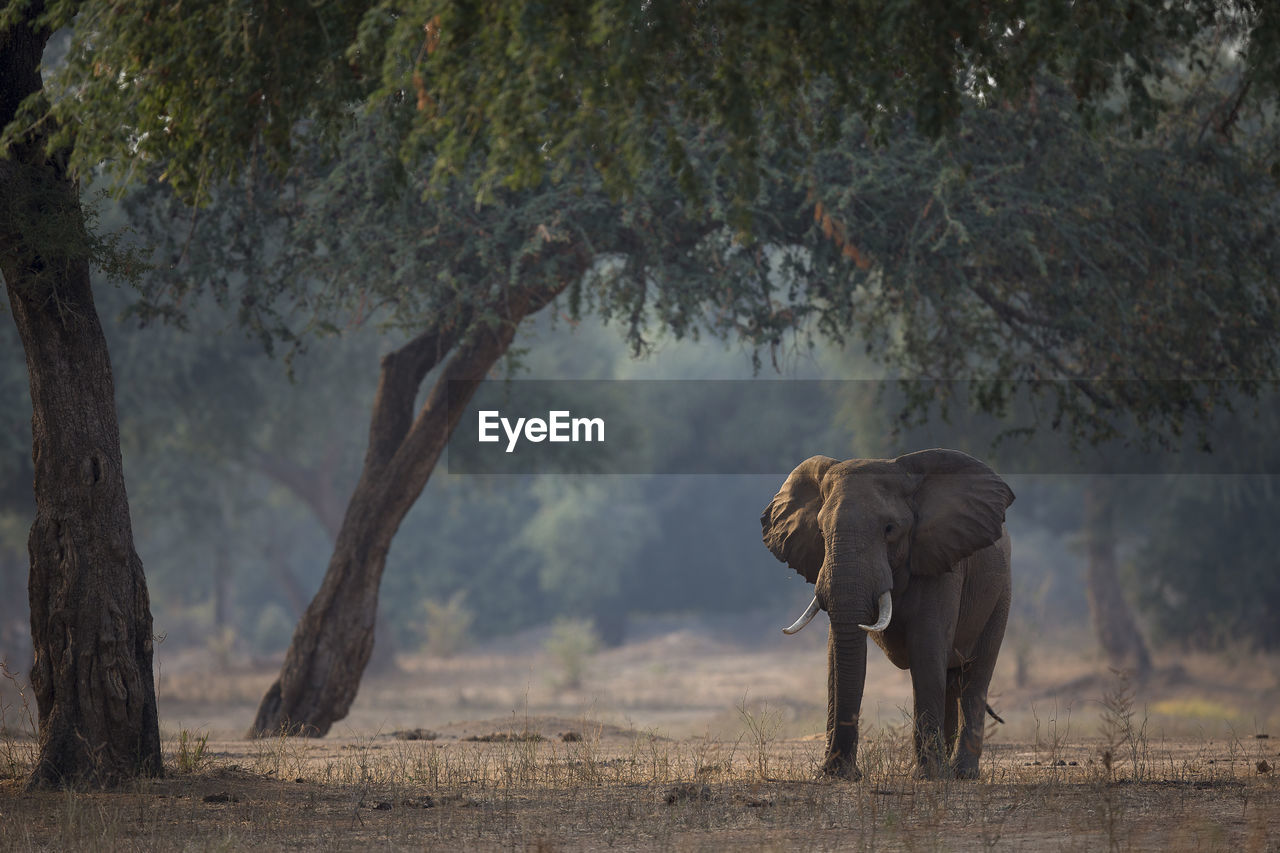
[[929, 527]]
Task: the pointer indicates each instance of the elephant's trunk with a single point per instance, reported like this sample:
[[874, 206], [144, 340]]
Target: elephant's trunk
[[854, 584], [854, 579], [846, 676]]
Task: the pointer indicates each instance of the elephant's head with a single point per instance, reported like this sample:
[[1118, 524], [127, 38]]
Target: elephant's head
[[859, 530]]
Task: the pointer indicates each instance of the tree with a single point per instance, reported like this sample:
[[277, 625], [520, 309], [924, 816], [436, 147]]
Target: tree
[[1032, 251], [90, 616], [491, 267], [1113, 620], [1206, 575]]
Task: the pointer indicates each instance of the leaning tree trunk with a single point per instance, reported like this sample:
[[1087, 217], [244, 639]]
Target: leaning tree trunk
[[1113, 620], [332, 644], [320, 488], [90, 615]]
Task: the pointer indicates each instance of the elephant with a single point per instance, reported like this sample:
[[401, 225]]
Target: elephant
[[913, 551]]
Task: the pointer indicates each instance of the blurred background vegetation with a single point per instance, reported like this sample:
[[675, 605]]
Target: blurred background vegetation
[[239, 464]]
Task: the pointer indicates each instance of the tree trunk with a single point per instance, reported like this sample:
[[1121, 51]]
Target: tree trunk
[[90, 614], [318, 487], [1113, 620], [333, 642]]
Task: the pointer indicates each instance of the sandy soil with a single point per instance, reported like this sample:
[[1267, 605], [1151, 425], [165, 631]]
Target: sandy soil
[[694, 735]]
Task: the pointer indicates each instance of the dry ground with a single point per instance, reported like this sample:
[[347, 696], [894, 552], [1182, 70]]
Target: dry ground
[[693, 736]]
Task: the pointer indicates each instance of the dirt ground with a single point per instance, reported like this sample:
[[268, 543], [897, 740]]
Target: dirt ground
[[695, 735]]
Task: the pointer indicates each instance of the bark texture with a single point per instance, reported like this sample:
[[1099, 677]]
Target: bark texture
[[90, 613], [334, 639], [1113, 619]]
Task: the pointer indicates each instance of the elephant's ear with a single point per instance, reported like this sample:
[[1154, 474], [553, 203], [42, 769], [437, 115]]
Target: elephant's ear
[[790, 521], [960, 504]]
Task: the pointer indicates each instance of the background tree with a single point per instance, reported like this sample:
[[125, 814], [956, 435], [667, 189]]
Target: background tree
[[490, 267], [1205, 574]]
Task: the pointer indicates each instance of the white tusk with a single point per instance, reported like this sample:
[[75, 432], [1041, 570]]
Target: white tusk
[[805, 619], [886, 613]]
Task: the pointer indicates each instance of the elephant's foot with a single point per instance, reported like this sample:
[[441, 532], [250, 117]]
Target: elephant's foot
[[965, 760], [935, 770], [840, 767], [932, 766], [929, 771]]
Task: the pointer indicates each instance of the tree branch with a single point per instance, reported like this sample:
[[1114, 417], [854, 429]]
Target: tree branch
[[314, 487], [1016, 320], [402, 373]]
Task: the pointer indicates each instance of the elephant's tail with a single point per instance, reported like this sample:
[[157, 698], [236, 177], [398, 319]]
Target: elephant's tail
[[994, 715]]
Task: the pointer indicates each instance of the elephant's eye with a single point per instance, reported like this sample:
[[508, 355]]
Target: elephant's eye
[[888, 529]]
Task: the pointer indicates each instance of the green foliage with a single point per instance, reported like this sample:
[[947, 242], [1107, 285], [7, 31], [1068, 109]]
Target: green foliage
[[1031, 242], [338, 244], [1028, 249], [524, 91], [192, 753], [563, 535], [195, 87]]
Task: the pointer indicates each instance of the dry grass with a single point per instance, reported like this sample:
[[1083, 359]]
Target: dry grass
[[615, 788], [731, 767]]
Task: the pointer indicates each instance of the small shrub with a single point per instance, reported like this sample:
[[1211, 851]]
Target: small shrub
[[445, 626], [192, 752], [1123, 734], [571, 644], [763, 726]]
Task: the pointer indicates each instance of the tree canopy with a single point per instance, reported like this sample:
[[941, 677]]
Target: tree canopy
[[524, 90]]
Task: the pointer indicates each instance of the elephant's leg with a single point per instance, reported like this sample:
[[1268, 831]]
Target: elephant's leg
[[928, 682], [951, 709], [973, 692], [933, 604]]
